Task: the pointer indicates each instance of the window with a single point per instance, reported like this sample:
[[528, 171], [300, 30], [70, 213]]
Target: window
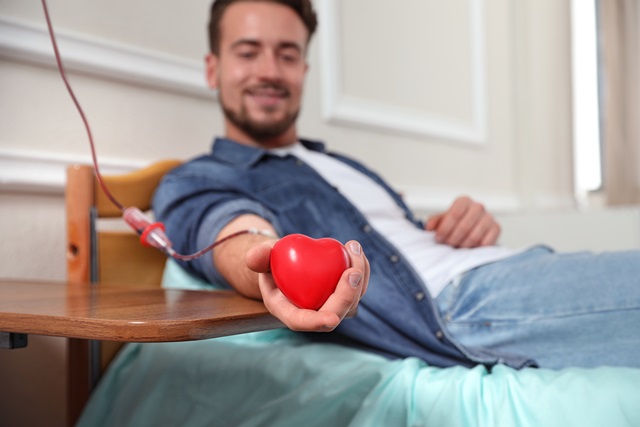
[[586, 99]]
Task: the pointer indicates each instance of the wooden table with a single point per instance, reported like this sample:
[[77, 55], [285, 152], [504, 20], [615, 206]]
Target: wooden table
[[125, 314]]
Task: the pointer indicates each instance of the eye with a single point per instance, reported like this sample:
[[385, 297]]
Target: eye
[[247, 54], [290, 56]]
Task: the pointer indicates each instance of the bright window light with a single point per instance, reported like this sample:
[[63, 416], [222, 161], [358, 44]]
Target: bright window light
[[586, 117]]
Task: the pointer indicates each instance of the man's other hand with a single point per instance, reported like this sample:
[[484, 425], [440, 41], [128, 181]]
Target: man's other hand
[[466, 224]]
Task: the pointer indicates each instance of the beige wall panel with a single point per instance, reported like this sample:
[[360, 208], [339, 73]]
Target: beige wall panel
[[423, 63]]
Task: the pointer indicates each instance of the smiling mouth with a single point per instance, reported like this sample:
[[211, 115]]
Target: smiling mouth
[[268, 93]]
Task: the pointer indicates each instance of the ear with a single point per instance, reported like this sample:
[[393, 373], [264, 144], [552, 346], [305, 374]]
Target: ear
[[211, 70]]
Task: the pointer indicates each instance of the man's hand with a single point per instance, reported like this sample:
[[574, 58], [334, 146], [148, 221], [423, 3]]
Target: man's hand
[[465, 225], [350, 289]]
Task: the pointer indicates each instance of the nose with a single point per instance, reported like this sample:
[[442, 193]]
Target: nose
[[268, 67]]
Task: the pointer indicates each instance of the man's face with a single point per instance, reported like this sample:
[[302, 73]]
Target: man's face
[[259, 72]]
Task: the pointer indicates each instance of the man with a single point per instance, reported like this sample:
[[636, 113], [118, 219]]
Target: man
[[446, 294]]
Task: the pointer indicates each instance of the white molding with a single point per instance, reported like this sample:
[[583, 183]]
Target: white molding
[[338, 108], [39, 172], [27, 172], [42, 172], [26, 42]]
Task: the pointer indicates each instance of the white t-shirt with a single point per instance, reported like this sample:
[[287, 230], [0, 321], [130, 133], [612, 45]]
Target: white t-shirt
[[437, 264]]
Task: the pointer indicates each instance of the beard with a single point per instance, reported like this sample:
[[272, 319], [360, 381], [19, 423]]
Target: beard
[[257, 130]]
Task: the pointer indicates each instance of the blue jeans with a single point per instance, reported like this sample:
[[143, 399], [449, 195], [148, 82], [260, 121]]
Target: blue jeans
[[575, 309]]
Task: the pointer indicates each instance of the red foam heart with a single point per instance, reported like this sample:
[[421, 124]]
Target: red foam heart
[[307, 270]]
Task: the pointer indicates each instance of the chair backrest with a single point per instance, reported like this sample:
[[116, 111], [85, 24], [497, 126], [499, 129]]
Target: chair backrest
[[100, 249]]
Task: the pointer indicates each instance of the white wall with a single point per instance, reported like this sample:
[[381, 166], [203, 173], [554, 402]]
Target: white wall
[[480, 88], [442, 98]]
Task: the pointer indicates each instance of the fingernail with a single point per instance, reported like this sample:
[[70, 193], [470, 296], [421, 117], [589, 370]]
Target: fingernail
[[354, 279], [355, 247]]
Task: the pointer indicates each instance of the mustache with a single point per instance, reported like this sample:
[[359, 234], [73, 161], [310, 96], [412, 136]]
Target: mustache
[[269, 87]]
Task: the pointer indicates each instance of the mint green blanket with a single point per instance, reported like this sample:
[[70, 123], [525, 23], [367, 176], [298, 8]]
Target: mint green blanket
[[278, 378]]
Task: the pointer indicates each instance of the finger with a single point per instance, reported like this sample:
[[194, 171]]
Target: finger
[[445, 227], [367, 275], [351, 285], [359, 261], [475, 217], [449, 220], [294, 318], [433, 222], [491, 237], [345, 298], [476, 235], [463, 219]]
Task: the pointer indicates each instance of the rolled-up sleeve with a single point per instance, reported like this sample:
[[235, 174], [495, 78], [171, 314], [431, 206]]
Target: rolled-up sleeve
[[194, 209]]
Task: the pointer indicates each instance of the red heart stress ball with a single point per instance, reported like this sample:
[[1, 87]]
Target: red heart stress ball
[[307, 270]]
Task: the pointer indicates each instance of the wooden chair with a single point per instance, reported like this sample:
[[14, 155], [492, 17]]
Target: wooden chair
[[98, 254], [103, 257]]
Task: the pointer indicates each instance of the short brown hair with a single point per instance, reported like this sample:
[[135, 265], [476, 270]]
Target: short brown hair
[[303, 8]]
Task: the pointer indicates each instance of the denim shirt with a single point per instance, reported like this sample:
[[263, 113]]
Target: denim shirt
[[397, 317]]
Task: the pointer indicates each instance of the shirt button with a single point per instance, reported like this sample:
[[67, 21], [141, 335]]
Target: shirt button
[[367, 228], [439, 335], [419, 296], [394, 258], [299, 162]]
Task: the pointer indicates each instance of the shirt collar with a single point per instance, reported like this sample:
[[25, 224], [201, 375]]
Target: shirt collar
[[245, 156]]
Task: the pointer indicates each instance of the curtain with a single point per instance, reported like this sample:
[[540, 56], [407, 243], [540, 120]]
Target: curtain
[[619, 32]]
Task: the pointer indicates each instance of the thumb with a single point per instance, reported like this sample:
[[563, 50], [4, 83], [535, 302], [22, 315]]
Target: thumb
[[257, 258], [433, 222]]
